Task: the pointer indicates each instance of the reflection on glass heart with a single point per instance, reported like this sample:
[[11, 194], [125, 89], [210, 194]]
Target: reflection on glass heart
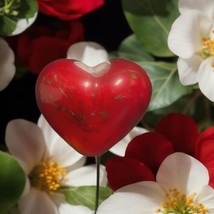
[[92, 108]]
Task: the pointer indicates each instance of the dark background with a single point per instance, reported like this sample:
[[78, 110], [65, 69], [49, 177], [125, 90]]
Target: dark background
[[106, 25]]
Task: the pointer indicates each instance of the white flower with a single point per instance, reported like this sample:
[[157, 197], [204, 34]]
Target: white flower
[[49, 163], [120, 148], [7, 67], [192, 39], [23, 24], [182, 185], [89, 53]]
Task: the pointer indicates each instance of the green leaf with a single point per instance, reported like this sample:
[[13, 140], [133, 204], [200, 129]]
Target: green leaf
[[132, 49], [151, 22], [28, 8], [166, 86], [23, 9], [151, 118], [7, 25], [85, 195], [12, 181]]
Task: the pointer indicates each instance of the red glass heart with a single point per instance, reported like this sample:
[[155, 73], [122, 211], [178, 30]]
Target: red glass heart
[[92, 108]]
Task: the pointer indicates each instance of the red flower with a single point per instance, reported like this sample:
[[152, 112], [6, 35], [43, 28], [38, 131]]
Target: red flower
[[204, 151], [68, 9], [174, 133], [41, 44], [181, 130]]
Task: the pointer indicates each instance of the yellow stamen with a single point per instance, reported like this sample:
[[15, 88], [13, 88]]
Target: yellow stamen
[[207, 48], [48, 176], [178, 203]]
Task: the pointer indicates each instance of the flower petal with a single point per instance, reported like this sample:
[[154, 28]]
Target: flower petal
[[56, 146], [205, 6], [49, 134], [212, 30], [7, 67], [206, 78], [67, 208], [122, 171], [70, 157], [204, 148], [86, 176], [120, 147], [35, 202], [183, 172], [181, 130], [25, 141], [206, 197], [27, 187], [143, 197], [204, 151], [23, 24], [188, 69], [89, 53], [186, 33], [142, 146]]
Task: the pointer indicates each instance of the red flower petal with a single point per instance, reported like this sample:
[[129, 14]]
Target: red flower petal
[[122, 171], [204, 151], [67, 9], [149, 148], [42, 48], [39, 45], [204, 148], [181, 130]]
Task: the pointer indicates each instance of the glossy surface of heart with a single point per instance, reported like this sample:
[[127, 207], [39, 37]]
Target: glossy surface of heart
[[93, 111]]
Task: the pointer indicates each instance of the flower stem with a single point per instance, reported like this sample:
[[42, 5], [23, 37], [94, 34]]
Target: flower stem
[[98, 160]]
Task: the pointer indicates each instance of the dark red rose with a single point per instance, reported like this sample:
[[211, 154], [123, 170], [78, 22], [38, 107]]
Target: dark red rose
[[174, 133], [204, 151], [122, 171], [41, 44], [68, 9]]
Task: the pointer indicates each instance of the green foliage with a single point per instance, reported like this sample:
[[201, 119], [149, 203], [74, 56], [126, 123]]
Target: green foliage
[[195, 104], [165, 83], [132, 49], [151, 22], [12, 181], [7, 25], [181, 105], [28, 9], [11, 11], [85, 195], [166, 86]]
